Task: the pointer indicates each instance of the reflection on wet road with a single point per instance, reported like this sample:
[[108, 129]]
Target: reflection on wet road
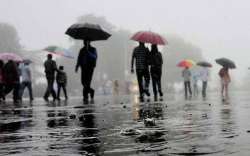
[[123, 126]]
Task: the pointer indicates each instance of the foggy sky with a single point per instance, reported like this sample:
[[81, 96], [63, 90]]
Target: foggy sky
[[218, 27]]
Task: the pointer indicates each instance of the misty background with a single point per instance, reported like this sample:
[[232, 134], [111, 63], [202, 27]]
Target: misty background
[[197, 30]]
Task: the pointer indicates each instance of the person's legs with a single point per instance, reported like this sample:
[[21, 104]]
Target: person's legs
[[47, 92], [1, 91], [154, 83], [222, 89], [91, 91], [140, 82], [16, 92], [65, 91], [53, 92], [226, 91], [189, 88], [146, 76], [58, 90], [29, 85], [21, 90], [204, 88], [159, 73], [185, 87]]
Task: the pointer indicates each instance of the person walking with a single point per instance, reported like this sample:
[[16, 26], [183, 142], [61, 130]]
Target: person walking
[[156, 62], [50, 69], [2, 96], [186, 74], [12, 80], [61, 79], [87, 61], [225, 80], [26, 80], [195, 79], [204, 78], [141, 56]]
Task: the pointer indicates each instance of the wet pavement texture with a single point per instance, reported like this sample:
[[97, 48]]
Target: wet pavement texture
[[122, 126]]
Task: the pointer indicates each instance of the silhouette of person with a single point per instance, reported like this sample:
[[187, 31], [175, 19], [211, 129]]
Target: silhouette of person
[[50, 69], [87, 61], [156, 62], [140, 55]]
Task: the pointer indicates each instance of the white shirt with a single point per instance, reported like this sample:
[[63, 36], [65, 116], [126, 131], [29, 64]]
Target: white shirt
[[25, 73], [204, 74]]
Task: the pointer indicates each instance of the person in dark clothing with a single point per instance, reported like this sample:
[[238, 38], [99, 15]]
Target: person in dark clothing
[[61, 79], [2, 96], [87, 61], [11, 79], [50, 69], [156, 62], [140, 55]]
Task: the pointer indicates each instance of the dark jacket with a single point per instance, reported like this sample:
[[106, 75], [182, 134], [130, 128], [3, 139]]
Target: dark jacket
[[61, 77], [50, 68], [87, 58], [10, 73], [140, 54], [156, 60]]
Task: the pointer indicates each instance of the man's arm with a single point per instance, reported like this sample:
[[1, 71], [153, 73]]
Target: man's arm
[[78, 61]]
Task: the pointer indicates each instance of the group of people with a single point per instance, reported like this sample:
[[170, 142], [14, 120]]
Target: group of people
[[148, 64], [15, 77]]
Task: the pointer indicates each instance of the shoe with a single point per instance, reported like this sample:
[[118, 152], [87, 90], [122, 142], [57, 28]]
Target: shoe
[[161, 94], [66, 98], [141, 99], [92, 94], [85, 101], [31, 99], [155, 98], [58, 99]]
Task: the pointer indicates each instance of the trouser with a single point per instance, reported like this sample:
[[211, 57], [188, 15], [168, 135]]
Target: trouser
[[143, 75], [86, 78], [195, 89], [63, 86], [204, 88], [156, 80], [187, 88], [15, 87], [29, 86], [50, 88], [2, 96]]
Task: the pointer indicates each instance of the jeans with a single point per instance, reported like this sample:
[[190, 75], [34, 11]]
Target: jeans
[[50, 88], [204, 88], [86, 78], [63, 86], [187, 88], [143, 75], [29, 86], [156, 80]]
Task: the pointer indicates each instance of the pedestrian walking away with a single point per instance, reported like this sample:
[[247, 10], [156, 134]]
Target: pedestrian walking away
[[204, 79], [186, 74], [225, 80], [26, 80], [87, 62], [61, 79], [156, 62], [141, 56], [50, 69]]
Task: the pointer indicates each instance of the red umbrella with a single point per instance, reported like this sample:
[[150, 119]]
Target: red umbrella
[[186, 63], [10, 56], [148, 37]]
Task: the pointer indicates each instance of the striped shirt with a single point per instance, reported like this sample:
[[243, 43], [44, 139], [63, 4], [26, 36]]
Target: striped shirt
[[140, 54]]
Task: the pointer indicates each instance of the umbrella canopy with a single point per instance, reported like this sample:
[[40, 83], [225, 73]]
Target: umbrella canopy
[[148, 37], [10, 56], [226, 62], [59, 51], [92, 32], [204, 64], [186, 63]]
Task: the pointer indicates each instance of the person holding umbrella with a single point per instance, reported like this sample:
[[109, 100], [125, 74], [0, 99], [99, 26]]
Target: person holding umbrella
[[204, 75], [224, 75], [156, 62], [88, 55], [140, 55], [87, 61]]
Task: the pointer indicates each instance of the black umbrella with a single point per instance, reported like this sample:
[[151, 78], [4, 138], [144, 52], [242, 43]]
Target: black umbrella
[[204, 64], [87, 31], [226, 62]]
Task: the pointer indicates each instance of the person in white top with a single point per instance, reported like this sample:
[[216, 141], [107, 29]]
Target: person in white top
[[186, 74], [26, 80], [204, 78]]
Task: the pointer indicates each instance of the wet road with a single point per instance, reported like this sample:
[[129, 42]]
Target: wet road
[[123, 126]]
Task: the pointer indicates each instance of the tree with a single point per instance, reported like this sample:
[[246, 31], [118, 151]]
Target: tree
[[9, 39]]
